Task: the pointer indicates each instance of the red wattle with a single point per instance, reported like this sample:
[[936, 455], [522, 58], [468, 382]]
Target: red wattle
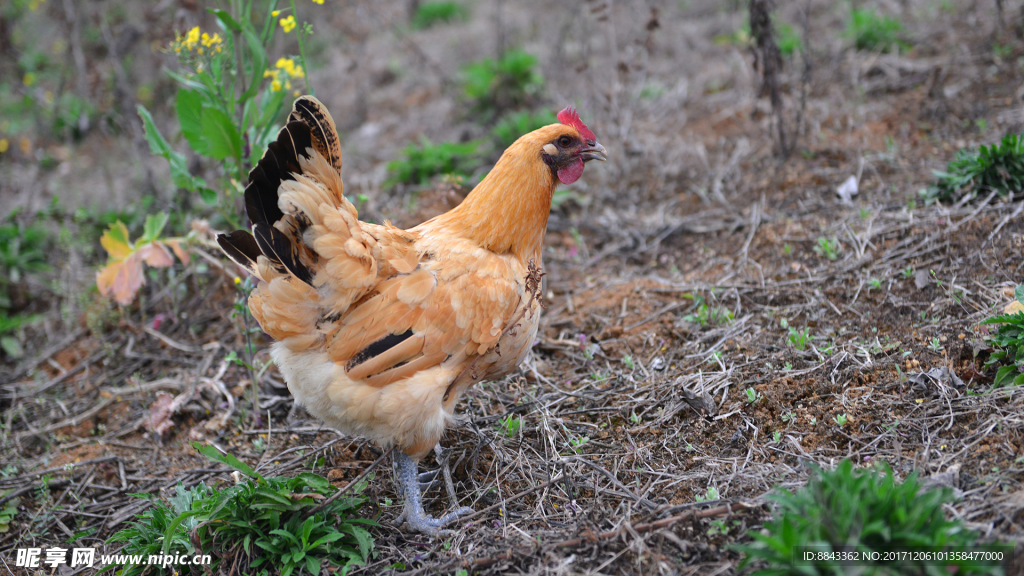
[[571, 173]]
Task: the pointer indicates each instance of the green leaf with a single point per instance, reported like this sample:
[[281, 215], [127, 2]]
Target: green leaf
[[1018, 293], [189, 105], [159, 146], [1003, 374], [363, 538], [327, 539], [225, 18], [313, 565], [307, 529], [228, 460], [154, 226], [221, 136], [208, 196], [258, 61], [11, 346]]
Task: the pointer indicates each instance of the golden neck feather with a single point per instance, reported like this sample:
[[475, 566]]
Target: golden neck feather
[[508, 210]]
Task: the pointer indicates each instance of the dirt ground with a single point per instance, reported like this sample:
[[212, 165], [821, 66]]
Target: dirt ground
[[694, 340]]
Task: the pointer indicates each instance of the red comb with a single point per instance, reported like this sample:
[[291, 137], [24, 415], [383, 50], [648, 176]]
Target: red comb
[[570, 117]]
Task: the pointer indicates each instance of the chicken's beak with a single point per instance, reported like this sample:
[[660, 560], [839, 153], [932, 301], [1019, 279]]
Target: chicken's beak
[[594, 152]]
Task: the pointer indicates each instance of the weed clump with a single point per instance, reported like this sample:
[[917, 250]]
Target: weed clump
[[998, 168], [423, 161], [1008, 345], [871, 31], [510, 82], [862, 511], [271, 522], [431, 13]]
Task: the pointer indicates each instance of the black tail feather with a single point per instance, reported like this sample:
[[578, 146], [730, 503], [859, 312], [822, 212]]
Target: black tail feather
[[309, 126], [312, 113], [276, 246], [241, 247], [279, 162]]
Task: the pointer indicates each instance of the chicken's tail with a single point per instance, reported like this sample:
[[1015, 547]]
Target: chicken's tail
[[306, 148]]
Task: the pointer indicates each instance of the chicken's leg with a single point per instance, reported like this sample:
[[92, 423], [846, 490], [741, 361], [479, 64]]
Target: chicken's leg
[[413, 513]]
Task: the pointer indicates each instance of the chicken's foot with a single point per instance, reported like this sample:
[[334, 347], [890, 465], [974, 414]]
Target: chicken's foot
[[413, 513]]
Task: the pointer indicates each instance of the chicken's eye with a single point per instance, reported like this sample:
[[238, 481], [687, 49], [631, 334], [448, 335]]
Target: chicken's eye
[[564, 141]]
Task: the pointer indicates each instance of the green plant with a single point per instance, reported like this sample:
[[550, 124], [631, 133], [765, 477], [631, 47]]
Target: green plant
[[22, 251], [576, 443], [752, 395], [840, 419], [515, 124], [935, 345], [706, 314], [510, 425], [229, 101], [1008, 345], [229, 98], [425, 160], [870, 31], [721, 527], [157, 529], [776, 436], [799, 338], [864, 510], [431, 13], [786, 37], [908, 272], [827, 248], [709, 496], [9, 511], [271, 522], [512, 81], [634, 418], [998, 168], [628, 361], [875, 284]]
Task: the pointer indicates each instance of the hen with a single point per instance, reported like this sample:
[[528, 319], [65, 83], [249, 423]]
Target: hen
[[379, 330]]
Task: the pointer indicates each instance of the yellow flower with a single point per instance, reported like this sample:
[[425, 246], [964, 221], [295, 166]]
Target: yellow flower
[[237, 280], [192, 38], [275, 13], [4, 145], [275, 85], [29, 79], [318, 2], [288, 24], [295, 94], [268, 73]]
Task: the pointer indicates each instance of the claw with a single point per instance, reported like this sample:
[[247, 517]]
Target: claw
[[413, 513], [428, 480]]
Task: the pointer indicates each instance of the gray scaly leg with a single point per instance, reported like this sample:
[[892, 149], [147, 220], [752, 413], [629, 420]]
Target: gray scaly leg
[[413, 513]]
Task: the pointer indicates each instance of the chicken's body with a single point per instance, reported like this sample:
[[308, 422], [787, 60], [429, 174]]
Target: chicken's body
[[379, 329]]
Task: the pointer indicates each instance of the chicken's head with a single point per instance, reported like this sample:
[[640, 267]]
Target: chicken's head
[[569, 146]]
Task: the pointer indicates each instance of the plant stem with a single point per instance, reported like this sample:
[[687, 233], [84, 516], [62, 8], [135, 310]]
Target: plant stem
[[302, 53]]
